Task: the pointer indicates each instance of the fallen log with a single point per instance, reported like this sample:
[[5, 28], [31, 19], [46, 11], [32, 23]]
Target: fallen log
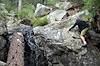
[[2, 63], [16, 50]]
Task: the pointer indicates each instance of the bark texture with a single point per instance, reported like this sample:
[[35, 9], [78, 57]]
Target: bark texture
[[16, 50]]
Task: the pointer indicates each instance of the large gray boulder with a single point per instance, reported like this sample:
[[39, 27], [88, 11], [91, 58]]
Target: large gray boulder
[[57, 32], [41, 10], [57, 15], [61, 49], [59, 37], [64, 5]]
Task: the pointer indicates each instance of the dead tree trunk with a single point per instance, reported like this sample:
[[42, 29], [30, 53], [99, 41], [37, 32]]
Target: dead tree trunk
[[16, 50], [19, 5]]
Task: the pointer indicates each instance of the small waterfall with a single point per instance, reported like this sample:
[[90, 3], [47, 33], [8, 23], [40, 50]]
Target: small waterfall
[[34, 52]]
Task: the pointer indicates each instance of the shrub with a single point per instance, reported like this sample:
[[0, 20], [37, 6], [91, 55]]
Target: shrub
[[52, 2], [40, 21], [89, 4], [27, 11], [3, 12]]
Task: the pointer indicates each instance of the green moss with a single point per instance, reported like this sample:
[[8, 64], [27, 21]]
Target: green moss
[[40, 21], [87, 17]]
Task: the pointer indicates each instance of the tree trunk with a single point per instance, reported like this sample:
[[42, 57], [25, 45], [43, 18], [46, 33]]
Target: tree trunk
[[16, 50], [19, 5]]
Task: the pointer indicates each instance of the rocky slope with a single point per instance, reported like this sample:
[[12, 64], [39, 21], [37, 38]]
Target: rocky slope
[[54, 45]]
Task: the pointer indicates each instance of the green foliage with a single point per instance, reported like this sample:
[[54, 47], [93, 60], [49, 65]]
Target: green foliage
[[3, 12], [76, 1], [40, 21], [52, 2], [89, 4], [9, 4], [27, 11], [97, 5]]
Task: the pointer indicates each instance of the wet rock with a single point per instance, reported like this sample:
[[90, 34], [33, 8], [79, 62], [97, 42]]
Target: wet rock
[[64, 5], [57, 15], [2, 42], [42, 10], [2, 48], [33, 55]]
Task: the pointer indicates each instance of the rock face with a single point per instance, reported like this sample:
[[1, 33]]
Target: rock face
[[64, 5], [57, 33], [60, 37], [41, 10], [64, 48], [52, 44]]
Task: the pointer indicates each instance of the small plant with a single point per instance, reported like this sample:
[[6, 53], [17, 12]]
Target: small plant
[[40, 21]]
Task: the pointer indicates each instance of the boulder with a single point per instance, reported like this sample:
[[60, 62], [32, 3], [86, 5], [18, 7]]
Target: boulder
[[95, 37], [41, 10], [3, 27], [57, 33], [57, 15], [62, 49], [64, 5], [59, 37], [67, 22], [12, 23]]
